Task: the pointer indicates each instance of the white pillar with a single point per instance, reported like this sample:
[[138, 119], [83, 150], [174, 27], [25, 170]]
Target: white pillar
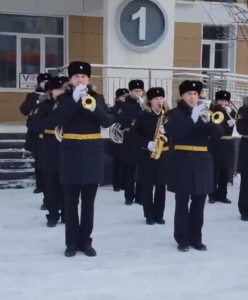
[[138, 33]]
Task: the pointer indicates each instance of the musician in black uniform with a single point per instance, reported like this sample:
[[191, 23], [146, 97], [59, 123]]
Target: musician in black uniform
[[127, 118], [190, 170], [81, 162], [222, 150], [151, 172], [242, 128], [51, 151], [115, 149], [28, 108]]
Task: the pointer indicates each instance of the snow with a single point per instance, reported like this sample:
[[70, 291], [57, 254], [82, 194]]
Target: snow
[[134, 262]]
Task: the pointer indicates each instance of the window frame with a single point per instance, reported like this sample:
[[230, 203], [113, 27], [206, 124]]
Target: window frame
[[231, 53], [42, 37]]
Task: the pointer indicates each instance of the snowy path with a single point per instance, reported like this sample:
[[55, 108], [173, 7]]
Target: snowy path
[[134, 262]]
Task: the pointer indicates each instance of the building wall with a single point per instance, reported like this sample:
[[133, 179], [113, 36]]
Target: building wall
[[242, 51]]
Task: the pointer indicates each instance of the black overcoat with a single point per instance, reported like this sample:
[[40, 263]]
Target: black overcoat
[[242, 128], [223, 150], [190, 172], [82, 160], [28, 108], [127, 118], [149, 170], [50, 150]]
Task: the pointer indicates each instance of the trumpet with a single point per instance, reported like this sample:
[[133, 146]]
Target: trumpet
[[88, 101], [207, 115]]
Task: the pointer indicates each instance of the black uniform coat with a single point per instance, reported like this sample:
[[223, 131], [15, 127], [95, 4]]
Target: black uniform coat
[[190, 172], [50, 151], [242, 128], [81, 161], [115, 150], [28, 108], [223, 150], [127, 118], [149, 170]]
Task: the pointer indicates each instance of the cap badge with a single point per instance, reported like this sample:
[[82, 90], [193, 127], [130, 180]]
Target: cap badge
[[81, 67], [224, 95], [194, 84]]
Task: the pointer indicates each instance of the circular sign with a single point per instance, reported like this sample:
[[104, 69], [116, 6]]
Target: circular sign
[[142, 25]]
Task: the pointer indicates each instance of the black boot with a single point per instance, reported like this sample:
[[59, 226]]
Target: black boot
[[160, 221], [149, 221], [243, 218], [183, 248], [88, 250], [116, 189], [211, 200], [43, 207], [52, 220], [37, 191], [70, 251], [128, 202], [225, 201], [199, 246]]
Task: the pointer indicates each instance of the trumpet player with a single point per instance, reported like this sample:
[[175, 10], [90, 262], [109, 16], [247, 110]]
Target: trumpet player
[[82, 112], [151, 169], [116, 149], [51, 151], [242, 128], [27, 108], [127, 118], [223, 150], [190, 169]]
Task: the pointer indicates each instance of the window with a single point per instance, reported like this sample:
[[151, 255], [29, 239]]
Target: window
[[28, 45], [215, 47]]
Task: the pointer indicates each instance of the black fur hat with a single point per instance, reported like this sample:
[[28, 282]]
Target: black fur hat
[[42, 77], [136, 84], [190, 86], [121, 92], [222, 95], [155, 92], [79, 67], [57, 82]]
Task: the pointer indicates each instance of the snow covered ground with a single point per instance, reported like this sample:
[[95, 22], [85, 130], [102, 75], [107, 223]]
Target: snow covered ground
[[134, 262]]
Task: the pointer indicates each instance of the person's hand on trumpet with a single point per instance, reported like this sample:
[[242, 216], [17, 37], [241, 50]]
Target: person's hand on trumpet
[[80, 91]]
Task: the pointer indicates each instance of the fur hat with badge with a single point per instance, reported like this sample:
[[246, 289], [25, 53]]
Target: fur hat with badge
[[79, 67], [57, 82], [43, 77], [121, 92], [136, 84], [155, 92], [222, 95], [190, 86]]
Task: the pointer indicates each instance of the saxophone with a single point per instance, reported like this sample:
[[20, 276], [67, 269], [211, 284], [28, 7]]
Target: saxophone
[[159, 139]]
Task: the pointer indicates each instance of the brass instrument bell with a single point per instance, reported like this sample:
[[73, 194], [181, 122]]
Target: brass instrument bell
[[88, 101]]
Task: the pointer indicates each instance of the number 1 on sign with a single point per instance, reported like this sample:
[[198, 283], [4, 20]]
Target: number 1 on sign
[[141, 15]]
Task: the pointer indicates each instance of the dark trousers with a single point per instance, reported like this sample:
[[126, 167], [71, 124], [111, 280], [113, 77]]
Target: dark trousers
[[221, 178], [77, 233], [54, 194], [38, 173], [243, 195], [117, 173], [188, 221], [132, 191], [153, 205]]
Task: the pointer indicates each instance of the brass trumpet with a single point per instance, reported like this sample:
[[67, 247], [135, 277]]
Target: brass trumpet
[[88, 101], [207, 115]]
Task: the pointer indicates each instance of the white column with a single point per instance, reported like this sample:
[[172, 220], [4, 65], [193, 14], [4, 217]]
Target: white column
[[138, 33]]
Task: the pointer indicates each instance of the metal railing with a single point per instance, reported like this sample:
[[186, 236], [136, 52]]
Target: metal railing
[[108, 78]]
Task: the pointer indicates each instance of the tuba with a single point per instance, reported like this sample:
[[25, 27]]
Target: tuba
[[159, 138]]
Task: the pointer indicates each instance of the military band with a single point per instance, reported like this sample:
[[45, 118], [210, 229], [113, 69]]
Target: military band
[[222, 149], [153, 155], [242, 128], [188, 149], [190, 174]]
